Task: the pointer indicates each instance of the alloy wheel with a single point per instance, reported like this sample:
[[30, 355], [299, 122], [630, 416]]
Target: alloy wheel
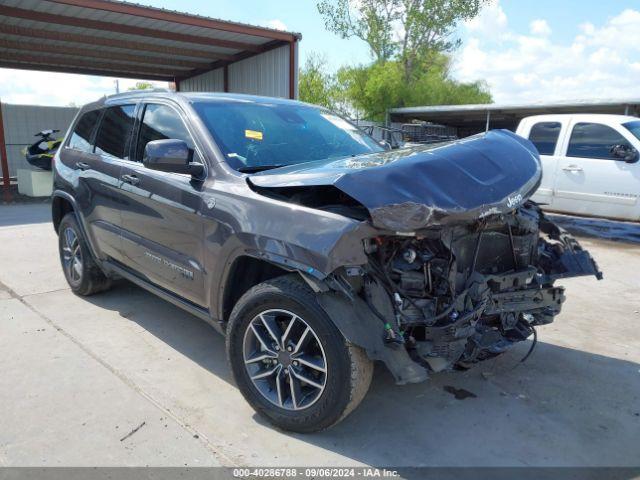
[[285, 359], [72, 255]]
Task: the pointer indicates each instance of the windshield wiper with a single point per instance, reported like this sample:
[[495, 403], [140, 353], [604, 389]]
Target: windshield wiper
[[258, 168]]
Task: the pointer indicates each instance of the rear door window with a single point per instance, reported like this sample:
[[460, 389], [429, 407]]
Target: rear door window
[[81, 136], [594, 140], [544, 135], [161, 122], [114, 134]]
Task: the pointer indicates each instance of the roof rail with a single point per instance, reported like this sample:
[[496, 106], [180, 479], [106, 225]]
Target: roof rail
[[140, 91]]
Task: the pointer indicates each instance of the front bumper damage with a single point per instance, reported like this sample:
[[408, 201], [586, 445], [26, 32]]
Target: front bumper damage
[[493, 312]]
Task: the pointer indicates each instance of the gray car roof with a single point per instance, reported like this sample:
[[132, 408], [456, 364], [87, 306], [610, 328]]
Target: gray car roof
[[189, 97]]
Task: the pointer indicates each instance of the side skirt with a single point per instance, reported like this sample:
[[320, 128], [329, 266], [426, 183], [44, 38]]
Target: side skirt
[[196, 310]]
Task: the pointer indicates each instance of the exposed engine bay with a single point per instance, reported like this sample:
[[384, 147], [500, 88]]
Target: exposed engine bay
[[450, 263], [461, 294]]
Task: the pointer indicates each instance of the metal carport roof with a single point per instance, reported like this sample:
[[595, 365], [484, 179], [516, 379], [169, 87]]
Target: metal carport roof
[[112, 38], [475, 118]]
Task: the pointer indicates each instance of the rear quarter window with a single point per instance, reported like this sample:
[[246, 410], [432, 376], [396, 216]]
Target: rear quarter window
[[83, 131]]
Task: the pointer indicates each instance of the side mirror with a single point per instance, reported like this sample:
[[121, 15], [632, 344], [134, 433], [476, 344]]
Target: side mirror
[[171, 155], [386, 145], [625, 153]]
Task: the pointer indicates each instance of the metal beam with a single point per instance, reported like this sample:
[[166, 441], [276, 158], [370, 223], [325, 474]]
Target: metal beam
[[292, 70], [181, 18], [83, 71], [79, 63], [3, 157], [98, 55], [109, 42], [51, 19]]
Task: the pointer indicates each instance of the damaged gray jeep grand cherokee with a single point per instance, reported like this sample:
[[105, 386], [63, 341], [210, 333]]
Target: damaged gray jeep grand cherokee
[[311, 247]]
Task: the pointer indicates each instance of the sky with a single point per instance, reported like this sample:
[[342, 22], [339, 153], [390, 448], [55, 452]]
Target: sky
[[526, 50]]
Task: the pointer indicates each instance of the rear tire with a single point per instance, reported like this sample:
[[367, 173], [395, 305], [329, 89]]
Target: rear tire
[[82, 273], [266, 333]]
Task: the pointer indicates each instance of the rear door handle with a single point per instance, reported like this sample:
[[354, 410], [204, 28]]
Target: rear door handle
[[130, 179], [82, 166], [572, 168]]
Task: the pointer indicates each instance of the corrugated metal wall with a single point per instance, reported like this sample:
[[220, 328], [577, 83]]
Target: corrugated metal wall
[[21, 122], [212, 81], [264, 74]]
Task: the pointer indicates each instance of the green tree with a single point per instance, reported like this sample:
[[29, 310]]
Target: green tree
[[410, 41], [412, 31], [374, 89], [315, 84]]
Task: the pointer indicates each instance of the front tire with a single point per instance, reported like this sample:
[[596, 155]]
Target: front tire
[[289, 360], [82, 273]]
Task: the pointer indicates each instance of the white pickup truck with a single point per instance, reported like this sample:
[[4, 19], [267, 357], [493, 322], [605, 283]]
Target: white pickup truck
[[589, 163]]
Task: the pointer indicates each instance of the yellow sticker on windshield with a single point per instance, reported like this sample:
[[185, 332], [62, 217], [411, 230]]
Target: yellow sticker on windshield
[[255, 135]]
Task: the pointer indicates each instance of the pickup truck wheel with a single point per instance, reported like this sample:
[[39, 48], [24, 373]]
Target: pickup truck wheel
[[290, 361], [82, 273]]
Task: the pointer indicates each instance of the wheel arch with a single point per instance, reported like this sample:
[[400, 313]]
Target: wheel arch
[[244, 272], [61, 204]]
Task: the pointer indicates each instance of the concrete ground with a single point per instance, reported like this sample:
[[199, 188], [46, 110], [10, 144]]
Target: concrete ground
[[79, 375]]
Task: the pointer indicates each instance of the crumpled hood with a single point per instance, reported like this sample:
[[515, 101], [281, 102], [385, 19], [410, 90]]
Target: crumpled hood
[[409, 189]]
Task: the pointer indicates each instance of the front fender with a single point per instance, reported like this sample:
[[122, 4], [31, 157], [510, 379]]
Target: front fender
[[310, 261]]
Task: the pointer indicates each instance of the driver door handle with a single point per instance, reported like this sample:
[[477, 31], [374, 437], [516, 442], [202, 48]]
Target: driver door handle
[[130, 179], [572, 168], [82, 166]]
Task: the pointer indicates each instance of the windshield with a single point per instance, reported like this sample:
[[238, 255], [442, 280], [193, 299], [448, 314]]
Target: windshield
[[633, 127], [258, 135]]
